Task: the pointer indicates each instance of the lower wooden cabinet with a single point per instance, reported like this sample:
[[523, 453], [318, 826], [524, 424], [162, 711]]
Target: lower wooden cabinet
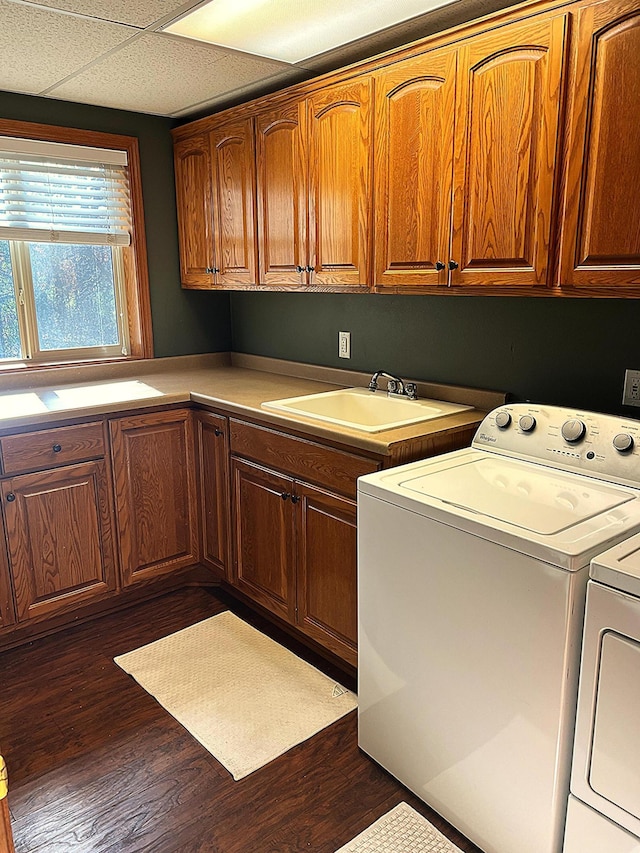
[[155, 493], [7, 611], [263, 537], [295, 553], [212, 441], [326, 570], [59, 537]]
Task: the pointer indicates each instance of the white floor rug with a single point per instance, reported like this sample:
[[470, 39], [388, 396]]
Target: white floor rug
[[246, 698], [402, 830]]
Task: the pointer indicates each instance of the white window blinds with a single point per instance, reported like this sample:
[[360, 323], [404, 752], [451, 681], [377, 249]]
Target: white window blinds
[[51, 192]]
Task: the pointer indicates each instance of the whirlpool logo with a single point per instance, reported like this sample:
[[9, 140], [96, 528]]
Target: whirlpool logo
[[484, 437]]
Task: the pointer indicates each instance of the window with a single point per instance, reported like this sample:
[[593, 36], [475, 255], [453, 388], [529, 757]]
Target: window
[[73, 280]]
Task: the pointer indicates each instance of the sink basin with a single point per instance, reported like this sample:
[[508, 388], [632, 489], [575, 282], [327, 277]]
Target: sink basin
[[359, 408]]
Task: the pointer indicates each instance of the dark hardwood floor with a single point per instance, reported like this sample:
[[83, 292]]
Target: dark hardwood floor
[[95, 764]]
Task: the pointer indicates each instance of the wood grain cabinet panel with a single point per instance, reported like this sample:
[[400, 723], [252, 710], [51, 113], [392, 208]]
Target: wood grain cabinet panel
[[7, 609], [50, 448], [155, 493], [282, 196], [601, 226], [340, 135], [192, 162], [233, 172], [415, 102], [508, 102], [59, 536], [213, 469], [264, 537], [326, 596]]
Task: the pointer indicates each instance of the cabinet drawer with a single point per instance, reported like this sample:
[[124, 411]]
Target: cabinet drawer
[[51, 447], [315, 463]]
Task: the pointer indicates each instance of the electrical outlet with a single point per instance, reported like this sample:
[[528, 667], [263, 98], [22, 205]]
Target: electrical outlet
[[631, 394], [344, 344]]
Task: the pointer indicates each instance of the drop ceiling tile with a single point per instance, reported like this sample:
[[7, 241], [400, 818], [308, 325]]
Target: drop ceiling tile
[[163, 74], [139, 13], [39, 48], [263, 86]]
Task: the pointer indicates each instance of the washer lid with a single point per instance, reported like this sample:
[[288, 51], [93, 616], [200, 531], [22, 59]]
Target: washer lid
[[531, 497], [619, 567]]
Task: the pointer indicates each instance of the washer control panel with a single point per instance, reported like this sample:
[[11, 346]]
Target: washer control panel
[[604, 446]]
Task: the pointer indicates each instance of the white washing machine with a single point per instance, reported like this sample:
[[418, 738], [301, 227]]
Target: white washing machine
[[604, 806], [472, 574]]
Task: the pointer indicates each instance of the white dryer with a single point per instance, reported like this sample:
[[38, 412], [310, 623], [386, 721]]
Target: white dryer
[[604, 807], [472, 574]]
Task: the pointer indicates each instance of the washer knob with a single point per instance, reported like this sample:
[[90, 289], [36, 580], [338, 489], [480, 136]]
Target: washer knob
[[623, 442], [527, 423], [573, 430], [503, 419]]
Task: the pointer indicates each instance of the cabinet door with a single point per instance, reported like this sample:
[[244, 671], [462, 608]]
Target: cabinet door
[[264, 537], [234, 203], [339, 127], [413, 169], [213, 467], [192, 161], [508, 99], [282, 196], [326, 565], [154, 477], [7, 612], [59, 538], [601, 227]]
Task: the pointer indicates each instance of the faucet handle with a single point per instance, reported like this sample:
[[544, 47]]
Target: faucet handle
[[411, 390], [392, 386]]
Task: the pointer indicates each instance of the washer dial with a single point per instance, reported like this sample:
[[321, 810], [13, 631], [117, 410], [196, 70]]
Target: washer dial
[[573, 430], [623, 442], [503, 419], [527, 423]]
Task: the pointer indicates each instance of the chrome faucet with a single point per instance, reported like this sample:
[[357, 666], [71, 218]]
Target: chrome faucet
[[395, 385]]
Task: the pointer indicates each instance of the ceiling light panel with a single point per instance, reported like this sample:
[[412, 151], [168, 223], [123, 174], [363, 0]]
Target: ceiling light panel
[[293, 30]]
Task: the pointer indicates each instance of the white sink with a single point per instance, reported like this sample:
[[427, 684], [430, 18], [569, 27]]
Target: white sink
[[362, 409]]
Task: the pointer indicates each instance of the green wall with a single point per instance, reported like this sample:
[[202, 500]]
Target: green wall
[[563, 351], [183, 322]]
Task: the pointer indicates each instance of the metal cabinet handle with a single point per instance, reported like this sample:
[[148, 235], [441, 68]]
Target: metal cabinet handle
[[57, 448], [217, 431], [294, 499], [439, 265], [11, 497], [285, 496], [310, 269], [300, 269], [453, 265]]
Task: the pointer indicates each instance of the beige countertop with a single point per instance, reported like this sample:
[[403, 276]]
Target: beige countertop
[[237, 384]]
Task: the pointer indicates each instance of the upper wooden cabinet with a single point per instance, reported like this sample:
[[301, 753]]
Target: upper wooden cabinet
[[233, 173], [413, 170], [504, 160], [192, 161], [339, 119], [601, 225], [215, 191], [483, 120], [508, 103], [282, 196], [314, 189]]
